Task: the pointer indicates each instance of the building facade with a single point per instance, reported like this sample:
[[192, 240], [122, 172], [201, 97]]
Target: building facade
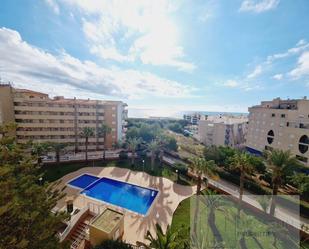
[[223, 130], [44, 119], [192, 118], [280, 124]]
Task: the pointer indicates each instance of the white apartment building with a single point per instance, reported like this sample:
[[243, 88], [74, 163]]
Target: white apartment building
[[44, 119], [193, 118], [280, 124], [223, 130]]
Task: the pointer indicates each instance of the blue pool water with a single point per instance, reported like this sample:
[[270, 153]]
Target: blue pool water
[[83, 181], [122, 194]]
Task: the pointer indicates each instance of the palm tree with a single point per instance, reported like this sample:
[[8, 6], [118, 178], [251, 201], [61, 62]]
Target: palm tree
[[58, 147], [214, 202], [263, 200], [153, 147], [86, 133], [104, 130], [281, 163], [246, 224], [168, 240], [241, 162], [200, 166], [132, 146], [39, 149]]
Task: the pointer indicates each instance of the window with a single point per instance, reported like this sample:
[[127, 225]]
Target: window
[[270, 136], [287, 124], [273, 115], [303, 144], [282, 115]]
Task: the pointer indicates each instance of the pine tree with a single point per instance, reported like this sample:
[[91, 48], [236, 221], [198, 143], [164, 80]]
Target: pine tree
[[26, 220]]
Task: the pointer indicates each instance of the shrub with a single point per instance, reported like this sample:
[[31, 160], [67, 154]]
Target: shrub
[[123, 155], [258, 164], [267, 177], [182, 168], [113, 244]]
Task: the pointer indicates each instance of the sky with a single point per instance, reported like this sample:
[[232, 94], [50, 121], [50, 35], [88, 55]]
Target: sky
[[160, 56]]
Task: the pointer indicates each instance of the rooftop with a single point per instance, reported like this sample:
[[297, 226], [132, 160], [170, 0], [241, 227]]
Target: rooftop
[[108, 220], [226, 119]]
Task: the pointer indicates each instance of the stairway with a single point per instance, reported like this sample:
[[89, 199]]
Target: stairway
[[79, 232]]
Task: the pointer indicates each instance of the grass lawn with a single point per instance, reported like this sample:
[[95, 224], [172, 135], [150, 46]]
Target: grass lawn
[[226, 226], [55, 172]]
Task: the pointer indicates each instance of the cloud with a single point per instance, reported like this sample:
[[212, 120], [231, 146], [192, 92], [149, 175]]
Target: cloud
[[137, 30], [242, 85], [302, 68], [278, 76], [302, 45], [53, 5], [29, 66], [231, 83], [256, 72], [258, 6]]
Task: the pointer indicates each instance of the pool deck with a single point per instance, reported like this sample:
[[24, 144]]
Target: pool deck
[[135, 225]]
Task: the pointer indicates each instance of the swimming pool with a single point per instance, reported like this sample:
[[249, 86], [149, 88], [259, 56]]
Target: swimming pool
[[83, 181], [129, 196]]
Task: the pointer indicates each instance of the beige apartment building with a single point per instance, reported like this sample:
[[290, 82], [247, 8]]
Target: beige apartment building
[[280, 124], [41, 118], [223, 130]]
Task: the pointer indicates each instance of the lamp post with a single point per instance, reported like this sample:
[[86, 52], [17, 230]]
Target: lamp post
[[40, 180], [143, 165], [177, 175]]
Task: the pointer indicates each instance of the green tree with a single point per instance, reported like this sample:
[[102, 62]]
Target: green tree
[[132, 146], [301, 180], [220, 154], [176, 127], [86, 133], [258, 164], [7, 128], [200, 167], [39, 150], [281, 163], [153, 147], [104, 130], [171, 144], [26, 217], [241, 162], [167, 240], [58, 148]]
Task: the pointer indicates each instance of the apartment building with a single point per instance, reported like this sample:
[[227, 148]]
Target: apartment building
[[193, 118], [58, 119], [223, 130], [280, 124]]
